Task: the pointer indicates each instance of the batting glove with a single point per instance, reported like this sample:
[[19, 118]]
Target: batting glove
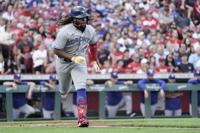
[[78, 59]]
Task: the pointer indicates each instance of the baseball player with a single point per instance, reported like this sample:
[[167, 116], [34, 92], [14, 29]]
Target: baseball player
[[19, 99], [173, 100], [116, 99], [195, 81], [73, 40], [154, 94], [48, 98]]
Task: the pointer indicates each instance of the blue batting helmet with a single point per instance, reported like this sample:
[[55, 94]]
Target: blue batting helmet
[[79, 12], [114, 75], [52, 77], [17, 76], [150, 72], [172, 76]]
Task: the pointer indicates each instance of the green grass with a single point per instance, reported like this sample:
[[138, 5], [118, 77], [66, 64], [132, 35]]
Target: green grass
[[164, 125], [97, 130]]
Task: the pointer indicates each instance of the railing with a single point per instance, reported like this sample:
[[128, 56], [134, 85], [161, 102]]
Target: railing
[[101, 76], [102, 89]]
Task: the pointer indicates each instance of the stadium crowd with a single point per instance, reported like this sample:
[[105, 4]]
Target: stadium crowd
[[134, 35]]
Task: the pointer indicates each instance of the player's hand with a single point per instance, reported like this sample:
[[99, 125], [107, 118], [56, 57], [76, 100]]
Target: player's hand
[[78, 59], [146, 94], [109, 83], [162, 93], [96, 66], [14, 86]]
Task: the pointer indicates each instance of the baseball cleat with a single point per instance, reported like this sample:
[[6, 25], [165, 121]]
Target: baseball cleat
[[83, 122]]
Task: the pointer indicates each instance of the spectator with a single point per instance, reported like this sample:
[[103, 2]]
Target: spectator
[[2, 63], [173, 100], [162, 68], [154, 94], [39, 59], [143, 24], [194, 58], [182, 20], [117, 100], [185, 66], [196, 12]]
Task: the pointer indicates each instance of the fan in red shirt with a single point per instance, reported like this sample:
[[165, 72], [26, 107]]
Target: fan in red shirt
[[134, 65], [162, 68], [150, 22]]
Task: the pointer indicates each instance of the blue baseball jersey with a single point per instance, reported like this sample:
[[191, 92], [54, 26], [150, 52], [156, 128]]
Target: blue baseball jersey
[[194, 82], [154, 94], [114, 97], [173, 103], [48, 99], [19, 99]]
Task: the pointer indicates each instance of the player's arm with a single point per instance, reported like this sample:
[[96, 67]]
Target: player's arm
[[109, 83], [68, 57], [162, 87], [142, 86], [129, 82], [62, 54], [60, 43], [30, 90], [10, 84], [93, 56], [93, 50], [49, 86]]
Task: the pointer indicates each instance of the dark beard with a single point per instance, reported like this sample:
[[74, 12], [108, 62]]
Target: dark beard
[[81, 28]]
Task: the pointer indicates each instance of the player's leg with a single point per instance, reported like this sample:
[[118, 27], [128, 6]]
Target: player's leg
[[168, 112], [178, 112], [153, 109], [190, 109], [47, 114], [112, 110], [16, 113], [128, 102], [27, 109], [79, 77], [65, 82], [64, 77], [142, 109]]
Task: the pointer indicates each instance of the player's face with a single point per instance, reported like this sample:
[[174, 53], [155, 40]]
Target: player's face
[[17, 81], [80, 23], [53, 82], [114, 79], [172, 80], [150, 77]]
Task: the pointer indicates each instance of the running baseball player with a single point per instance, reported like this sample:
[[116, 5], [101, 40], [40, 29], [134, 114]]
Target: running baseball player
[[72, 42], [19, 99], [154, 94]]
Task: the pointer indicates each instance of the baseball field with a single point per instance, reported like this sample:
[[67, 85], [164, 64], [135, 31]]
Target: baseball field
[[164, 125]]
